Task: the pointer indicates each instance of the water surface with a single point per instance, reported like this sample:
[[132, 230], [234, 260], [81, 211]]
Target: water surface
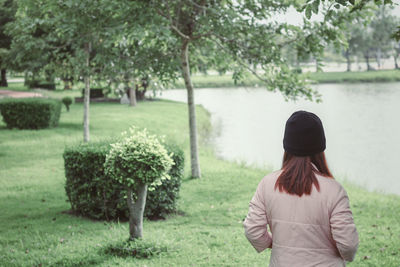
[[361, 121]]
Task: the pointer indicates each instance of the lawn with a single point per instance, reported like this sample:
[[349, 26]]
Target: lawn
[[36, 230], [216, 81]]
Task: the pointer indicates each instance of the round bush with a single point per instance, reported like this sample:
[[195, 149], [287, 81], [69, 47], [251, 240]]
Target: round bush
[[67, 101], [138, 158]]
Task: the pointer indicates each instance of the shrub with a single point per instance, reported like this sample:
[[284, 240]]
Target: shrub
[[41, 84], [162, 200], [96, 92], [30, 113], [139, 162], [93, 194], [67, 101]]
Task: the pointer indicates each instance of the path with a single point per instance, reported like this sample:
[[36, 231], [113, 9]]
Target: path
[[17, 94]]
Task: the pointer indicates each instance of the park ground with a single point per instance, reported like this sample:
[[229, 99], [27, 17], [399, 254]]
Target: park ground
[[37, 230], [216, 81]]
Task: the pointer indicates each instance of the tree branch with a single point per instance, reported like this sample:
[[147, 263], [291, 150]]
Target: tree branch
[[241, 62], [167, 16]]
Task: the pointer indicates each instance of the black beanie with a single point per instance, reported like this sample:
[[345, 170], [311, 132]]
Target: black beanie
[[304, 134]]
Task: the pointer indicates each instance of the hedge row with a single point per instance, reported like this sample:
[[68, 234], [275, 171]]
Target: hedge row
[[96, 92], [41, 84], [92, 194], [30, 113]]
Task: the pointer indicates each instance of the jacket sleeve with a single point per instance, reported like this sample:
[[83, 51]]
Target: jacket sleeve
[[343, 229], [256, 222]]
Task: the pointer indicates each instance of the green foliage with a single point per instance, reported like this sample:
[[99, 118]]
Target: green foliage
[[162, 200], [137, 248], [86, 183], [67, 101], [138, 158], [30, 113], [94, 194]]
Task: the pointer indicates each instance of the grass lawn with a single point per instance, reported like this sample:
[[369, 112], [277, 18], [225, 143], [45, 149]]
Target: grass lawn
[[36, 231], [215, 81]]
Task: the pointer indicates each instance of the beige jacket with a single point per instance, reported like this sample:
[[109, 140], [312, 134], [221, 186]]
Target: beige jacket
[[311, 230]]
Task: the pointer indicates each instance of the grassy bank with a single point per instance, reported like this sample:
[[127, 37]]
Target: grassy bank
[[36, 231], [216, 81]]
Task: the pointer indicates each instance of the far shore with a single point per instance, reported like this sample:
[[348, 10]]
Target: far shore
[[225, 80]]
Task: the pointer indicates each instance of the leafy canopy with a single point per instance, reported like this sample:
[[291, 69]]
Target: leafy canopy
[[138, 158]]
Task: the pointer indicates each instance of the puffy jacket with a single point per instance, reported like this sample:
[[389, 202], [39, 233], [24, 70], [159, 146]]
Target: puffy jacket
[[311, 230]]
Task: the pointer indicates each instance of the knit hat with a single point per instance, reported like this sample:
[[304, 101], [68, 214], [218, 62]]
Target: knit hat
[[304, 134]]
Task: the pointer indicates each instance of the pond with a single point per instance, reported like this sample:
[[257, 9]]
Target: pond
[[361, 121]]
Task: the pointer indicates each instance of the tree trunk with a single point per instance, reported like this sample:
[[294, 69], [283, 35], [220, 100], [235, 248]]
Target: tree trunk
[[140, 94], [378, 57], [86, 96], [347, 54], [132, 97], [396, 65], [367, 61], [132, 93], [136, 209], [194, 155], [3, 81]]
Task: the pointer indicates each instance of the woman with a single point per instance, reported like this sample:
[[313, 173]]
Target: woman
[[306, 210]]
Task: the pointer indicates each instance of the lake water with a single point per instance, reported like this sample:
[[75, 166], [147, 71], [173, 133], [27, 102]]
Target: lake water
[[361, 121]]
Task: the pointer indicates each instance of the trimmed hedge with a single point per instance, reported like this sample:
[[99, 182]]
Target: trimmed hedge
[[30, 113], [94, 195], [96, 92], [41, 84]]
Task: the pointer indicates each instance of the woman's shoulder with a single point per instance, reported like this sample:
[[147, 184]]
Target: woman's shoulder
[[270, 179], [330, 185]]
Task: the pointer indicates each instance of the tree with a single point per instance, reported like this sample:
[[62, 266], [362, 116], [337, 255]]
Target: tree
[[244, 33], [7, 13], [383, 26], [73, 31], [137, 161]]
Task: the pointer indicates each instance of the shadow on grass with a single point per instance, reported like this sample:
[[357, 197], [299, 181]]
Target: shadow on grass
[[70, 126]]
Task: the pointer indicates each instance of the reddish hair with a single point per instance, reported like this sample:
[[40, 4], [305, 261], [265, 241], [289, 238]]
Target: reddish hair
[[298, 174]]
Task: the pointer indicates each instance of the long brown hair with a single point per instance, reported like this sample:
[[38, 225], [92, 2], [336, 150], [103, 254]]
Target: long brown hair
[[298, 173]]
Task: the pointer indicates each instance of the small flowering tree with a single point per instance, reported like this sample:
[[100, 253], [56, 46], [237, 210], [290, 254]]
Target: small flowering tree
[[137, 161]]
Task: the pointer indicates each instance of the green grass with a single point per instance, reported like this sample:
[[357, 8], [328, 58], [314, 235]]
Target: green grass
[[36, 231], [356, 77], [15, 86], [216, 81]]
